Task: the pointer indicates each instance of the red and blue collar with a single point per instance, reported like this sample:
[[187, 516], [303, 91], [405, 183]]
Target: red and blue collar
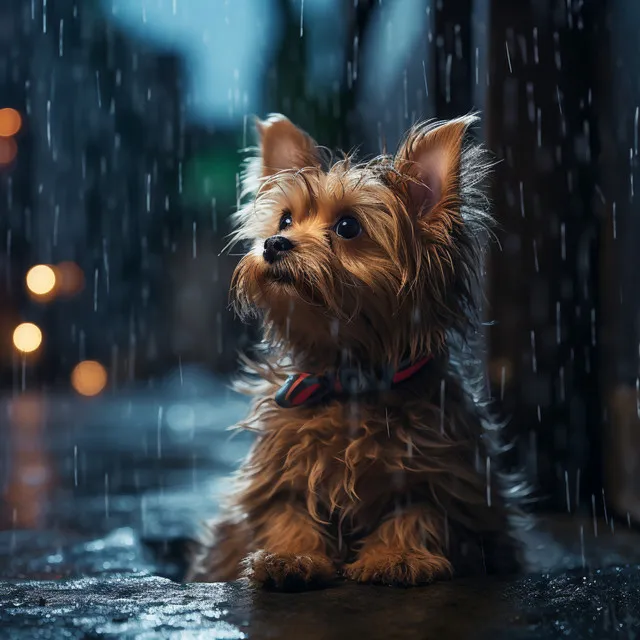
[[306, 389]]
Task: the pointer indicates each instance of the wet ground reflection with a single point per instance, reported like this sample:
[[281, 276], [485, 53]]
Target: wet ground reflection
[[100, 497]]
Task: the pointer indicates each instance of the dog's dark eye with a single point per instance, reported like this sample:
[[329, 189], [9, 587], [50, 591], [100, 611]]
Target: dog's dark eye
[[348, 228], [285, 221]]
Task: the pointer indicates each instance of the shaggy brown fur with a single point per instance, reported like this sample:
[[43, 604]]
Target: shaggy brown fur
[[396, 487]]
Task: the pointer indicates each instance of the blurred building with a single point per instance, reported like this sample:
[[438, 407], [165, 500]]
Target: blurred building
[[99, 177]]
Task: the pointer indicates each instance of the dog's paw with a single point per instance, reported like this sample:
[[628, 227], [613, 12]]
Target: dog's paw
[[288, 571], [398, 568]]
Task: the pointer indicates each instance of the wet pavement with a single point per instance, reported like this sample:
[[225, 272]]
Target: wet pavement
[[100, 499]]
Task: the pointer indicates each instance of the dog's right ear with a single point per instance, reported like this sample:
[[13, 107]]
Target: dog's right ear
[[282, 147], [430, 156]]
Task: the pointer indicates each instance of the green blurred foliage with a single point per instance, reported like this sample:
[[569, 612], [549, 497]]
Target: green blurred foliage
[[327, 116]]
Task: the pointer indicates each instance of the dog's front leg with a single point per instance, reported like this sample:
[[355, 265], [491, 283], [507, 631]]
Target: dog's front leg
[[405, 550], [292, 551]]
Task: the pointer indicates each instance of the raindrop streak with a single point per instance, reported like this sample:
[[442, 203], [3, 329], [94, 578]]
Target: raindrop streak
[[536, 264], [635, 132], [563, 241], [75, 465], [301, 18], [584, 562], [595, 520], [559, 100], [593, 327], [506, 46], [105, 262], [49, 123], [424, 75], [448, 78], [613, 220], [536, 57], [503, 377], [98, 89], [44, 16], [174, 7], [386, 415], [193, 242], [566, 490], [60, 39], [558, 325], [488, 481], [522, 198], [604, 505], [95, 290]]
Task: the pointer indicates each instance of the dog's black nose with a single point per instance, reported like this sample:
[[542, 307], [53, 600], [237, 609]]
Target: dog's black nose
[[274, 246]]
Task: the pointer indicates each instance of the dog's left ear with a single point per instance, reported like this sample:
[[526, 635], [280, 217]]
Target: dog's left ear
[[430, 155], [284, 146]]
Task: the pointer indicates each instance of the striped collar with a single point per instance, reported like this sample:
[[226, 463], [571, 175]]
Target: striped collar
[[306, 389]]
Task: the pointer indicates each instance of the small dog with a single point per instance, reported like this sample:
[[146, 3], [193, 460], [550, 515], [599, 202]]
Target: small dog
[[375, 455]]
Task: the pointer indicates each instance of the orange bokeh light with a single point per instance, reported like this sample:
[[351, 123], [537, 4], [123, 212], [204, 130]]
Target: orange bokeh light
[[70, 278], [10, 122], [8, 150], [89, 378]]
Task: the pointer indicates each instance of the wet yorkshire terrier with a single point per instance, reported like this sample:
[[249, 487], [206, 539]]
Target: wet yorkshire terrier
[[375, 455]]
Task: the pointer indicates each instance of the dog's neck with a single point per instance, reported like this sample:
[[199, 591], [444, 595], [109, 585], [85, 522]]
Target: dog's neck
[[306, 388], [332, 360]]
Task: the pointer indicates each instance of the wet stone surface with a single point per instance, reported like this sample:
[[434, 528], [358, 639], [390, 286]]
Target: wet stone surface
[[101, 498]]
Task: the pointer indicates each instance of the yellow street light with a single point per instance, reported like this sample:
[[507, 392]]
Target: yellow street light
[[41, 279], [27, 337]]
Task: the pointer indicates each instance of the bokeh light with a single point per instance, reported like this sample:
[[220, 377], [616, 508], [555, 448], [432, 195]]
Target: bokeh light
[[8, 151], [27, 337], [10, 122], [70, 278], [89, 378], [41, 279]]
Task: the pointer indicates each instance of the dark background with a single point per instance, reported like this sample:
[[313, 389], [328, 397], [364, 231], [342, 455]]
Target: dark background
[[114, 173]]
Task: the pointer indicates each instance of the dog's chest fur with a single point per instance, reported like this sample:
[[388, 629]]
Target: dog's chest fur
[[352, 461]]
